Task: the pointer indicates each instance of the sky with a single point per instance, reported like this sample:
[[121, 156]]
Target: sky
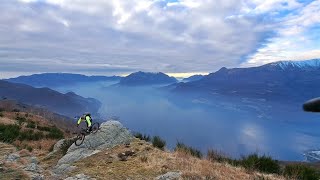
[[179, 37]]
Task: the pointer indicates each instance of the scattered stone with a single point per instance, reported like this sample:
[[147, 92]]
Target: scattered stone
[[37, 177], [127, 145], [169, 176], [13, 157], [165, 167], [148, 148], [34, 160], [64, 168], [33, 167], [124, 156]]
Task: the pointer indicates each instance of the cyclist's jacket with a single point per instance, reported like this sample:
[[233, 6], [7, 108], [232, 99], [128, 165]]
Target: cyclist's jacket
[[87, 118]]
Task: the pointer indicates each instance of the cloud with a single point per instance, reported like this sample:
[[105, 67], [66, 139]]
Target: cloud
[[152, 35], [297, 37]]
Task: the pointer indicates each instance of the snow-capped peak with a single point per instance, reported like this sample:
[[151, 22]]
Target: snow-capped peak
[[305, 64]]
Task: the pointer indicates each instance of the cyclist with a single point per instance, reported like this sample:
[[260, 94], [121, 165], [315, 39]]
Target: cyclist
[[86, 117]]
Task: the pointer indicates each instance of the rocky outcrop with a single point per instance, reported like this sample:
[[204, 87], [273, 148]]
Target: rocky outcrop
[[56, 148], [25, 162], [110, 134]]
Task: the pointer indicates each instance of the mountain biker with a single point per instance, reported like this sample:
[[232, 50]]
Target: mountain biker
[[86, 117]]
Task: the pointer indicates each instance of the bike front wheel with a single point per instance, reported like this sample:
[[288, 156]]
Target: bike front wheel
[[79, 139], [95, 127]]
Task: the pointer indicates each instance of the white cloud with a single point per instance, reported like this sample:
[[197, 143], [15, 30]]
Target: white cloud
[[293, 40], [152, 35]]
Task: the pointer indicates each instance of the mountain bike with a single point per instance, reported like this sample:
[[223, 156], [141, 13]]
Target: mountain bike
[[84, 132]]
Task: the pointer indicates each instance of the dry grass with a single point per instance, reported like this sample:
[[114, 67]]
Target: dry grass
[[149, 162], [9, 170], [5, 120], [39, 147]]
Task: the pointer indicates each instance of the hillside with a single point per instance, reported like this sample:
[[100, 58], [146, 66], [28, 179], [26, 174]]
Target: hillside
[[290, 81], [63, 122], [114, 153], [30, 131], [146, 78], [68, 104], [24, 139], [59, 79]]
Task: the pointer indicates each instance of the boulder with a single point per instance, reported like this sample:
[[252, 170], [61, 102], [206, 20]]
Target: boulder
[[58, 145], [110, 134]]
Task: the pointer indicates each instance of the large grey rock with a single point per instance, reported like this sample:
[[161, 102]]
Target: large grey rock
[[169, 176], [110, 134], [56, 148]]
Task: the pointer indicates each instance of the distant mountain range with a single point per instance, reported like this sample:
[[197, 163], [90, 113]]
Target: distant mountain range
[[289, 80], [59, 79], [193, 78], [68, 104], [147, 78]]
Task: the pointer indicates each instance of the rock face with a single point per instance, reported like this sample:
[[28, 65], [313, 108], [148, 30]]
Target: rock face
[[110, 134]]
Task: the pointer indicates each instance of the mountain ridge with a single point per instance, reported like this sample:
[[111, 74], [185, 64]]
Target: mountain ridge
[[270, 81], [59, 79], [303, 64], [147, 78], [68, 104]]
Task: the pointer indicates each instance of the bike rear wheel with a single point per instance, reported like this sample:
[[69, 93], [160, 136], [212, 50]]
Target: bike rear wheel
[[79, 139], [95, 127]]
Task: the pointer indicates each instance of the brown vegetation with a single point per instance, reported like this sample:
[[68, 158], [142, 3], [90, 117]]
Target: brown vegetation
[[148, 162]]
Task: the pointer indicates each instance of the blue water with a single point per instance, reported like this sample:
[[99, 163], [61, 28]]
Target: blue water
[[236, 126]]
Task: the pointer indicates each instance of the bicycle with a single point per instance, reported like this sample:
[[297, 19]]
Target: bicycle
[[83, 133]]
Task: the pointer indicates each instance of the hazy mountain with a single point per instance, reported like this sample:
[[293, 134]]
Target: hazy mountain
[[68, 104], [146, 78], [59, 79], [193, 78], [290, 80]]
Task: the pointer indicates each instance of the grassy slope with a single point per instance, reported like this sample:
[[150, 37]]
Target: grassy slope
[[149, 162]]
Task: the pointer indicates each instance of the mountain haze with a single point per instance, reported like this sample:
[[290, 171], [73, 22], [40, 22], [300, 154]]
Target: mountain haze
[[69, 104], [59, 79]]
